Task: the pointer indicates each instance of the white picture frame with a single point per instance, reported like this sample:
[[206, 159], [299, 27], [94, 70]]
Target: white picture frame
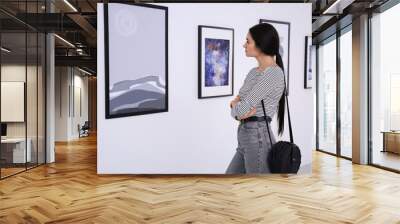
[[215, 62]]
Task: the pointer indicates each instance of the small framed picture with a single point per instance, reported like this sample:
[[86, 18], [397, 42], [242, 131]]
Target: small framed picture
[[215, 61], [308, 62]]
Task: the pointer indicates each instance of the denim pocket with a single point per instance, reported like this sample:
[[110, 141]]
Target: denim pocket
[[250, 125]]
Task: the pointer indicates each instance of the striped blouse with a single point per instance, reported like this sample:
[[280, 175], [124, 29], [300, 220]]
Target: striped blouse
[[267, 85]]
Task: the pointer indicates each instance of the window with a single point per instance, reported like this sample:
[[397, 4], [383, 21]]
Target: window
[[346, 75], [327, 96], [385, 89]]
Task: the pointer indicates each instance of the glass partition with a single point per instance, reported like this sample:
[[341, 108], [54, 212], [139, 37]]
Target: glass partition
[[22, 77], [41, 79], [327, 96], [13, 108], [31, 100]]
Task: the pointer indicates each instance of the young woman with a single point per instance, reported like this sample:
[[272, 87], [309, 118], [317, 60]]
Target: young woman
[[265, 82]]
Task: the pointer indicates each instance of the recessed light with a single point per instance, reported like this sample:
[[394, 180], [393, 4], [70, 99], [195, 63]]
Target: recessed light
[[84, 71], [70, 5], [5, 50], [338, 6], [64, 40]]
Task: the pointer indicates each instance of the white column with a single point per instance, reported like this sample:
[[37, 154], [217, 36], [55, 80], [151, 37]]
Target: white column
[[50, 94]]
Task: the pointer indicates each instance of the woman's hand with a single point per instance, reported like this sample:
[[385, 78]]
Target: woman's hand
[[235, 101], [252, 112]]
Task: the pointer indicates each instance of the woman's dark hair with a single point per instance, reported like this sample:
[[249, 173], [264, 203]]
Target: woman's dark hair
[[266, 39]]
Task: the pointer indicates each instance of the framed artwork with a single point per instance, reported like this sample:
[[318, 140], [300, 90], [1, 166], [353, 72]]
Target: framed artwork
[[308, 63], [136, 59], [215, 61], [283, 29]]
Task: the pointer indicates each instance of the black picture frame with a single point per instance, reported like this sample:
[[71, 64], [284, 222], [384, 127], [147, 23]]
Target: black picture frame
[[108, 114], [308, 63], [204, 91], [283, 26]]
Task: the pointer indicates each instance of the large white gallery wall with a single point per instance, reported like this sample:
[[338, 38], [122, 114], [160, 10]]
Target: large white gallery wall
[[198, 136]]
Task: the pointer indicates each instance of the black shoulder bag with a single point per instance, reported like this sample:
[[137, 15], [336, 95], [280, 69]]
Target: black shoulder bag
[[284, 157]]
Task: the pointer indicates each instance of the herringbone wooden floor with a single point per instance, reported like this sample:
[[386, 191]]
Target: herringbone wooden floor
[[70, 191]]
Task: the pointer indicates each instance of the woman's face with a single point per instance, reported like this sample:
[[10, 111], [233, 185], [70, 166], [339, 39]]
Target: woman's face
[[250, 47]]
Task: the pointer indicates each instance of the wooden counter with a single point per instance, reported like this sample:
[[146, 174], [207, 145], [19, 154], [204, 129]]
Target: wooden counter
[[391, 142]]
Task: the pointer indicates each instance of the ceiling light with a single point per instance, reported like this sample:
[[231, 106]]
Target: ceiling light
[[337, 7], [70, 5], [65, 41], [84, 71], [331, 7], [5, 50]]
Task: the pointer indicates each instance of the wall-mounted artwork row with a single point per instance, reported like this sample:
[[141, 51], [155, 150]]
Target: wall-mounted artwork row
[[136, 59], [215, 61], [283, 29]]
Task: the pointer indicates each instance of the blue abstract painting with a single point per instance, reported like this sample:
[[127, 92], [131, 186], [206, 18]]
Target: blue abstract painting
[[216, 62]]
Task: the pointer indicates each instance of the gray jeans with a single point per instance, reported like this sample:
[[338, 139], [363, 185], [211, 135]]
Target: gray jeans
[[253, 148]]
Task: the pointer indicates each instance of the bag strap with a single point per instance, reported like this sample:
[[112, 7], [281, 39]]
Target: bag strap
[[288, 111], [287, 104], [266, 121]]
